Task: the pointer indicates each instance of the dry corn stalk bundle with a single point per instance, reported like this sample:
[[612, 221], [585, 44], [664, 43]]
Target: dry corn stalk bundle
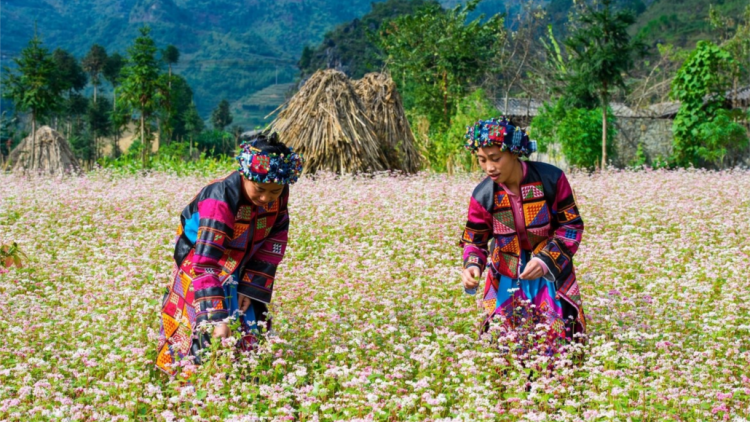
[[386, 110], [326, 124], [50, 154]]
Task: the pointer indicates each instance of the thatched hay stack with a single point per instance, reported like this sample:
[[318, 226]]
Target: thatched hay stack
[[51, 155], [386, 110], [326, 123]]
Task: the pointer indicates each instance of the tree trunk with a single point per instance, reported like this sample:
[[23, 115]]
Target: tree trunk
[[604, 135], [143, 140], [169, 83], [445, 96], [116, 132], [158, 131], [33, 139], [94, 93]]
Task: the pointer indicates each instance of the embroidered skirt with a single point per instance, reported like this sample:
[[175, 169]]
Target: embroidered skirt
[[522, 304], [178, 337]]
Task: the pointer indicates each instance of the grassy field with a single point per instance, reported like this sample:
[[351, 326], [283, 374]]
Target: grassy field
[[370, 322]]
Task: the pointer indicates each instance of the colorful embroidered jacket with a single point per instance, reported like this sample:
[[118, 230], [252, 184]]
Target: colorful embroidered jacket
[[222, 232], [553, 225]]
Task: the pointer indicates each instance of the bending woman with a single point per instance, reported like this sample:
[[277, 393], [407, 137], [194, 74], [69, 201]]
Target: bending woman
[[524, 225], [232, 237]]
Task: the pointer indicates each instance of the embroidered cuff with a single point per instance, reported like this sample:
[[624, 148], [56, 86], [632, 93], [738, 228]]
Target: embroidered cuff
[[473, 260], [210, 305], [546, 275]]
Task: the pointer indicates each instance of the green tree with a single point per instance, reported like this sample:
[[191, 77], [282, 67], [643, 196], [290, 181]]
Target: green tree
[[700, 86], [70, 79], [435, 55], [140, 92], [33, 86], [112, 72], [93, 63], [74, 106], [170, 55], [99, 123], [8, 128], [353, 47], [221, 116], [179, 99], [70, 74], [602, 53], [194, 124]]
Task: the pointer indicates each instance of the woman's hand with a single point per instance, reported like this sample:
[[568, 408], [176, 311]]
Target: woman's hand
[[532, 271], [244, 303], [470, 276], [221, 330]]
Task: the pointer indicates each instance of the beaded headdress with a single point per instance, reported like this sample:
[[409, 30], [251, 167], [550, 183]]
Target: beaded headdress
[[500, 133], [264, 167]]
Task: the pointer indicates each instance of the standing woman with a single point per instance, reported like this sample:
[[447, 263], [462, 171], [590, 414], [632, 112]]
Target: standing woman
[[526, 212], [231, 238]]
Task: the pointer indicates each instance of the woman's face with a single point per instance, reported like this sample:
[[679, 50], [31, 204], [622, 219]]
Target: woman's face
[[261, 194], [498, 165]]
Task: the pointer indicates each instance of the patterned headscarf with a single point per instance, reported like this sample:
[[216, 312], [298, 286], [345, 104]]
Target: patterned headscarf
[[499, 132], [265, 167]]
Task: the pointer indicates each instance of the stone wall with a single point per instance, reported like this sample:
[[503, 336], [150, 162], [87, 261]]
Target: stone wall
[[655, 136]]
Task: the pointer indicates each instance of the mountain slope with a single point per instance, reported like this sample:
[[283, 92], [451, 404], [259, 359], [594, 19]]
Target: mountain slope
[[683, 22], [229, 48]]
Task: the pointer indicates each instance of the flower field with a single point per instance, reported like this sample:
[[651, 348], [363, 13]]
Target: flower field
[[370, 321]]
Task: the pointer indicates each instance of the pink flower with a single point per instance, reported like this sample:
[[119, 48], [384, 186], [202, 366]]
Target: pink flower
[[724, 396]]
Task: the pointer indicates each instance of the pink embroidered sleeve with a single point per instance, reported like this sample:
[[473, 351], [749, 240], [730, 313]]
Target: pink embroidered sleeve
[[476, 235], [216, 220]]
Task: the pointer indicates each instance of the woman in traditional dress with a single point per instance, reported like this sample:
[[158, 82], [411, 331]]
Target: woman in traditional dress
[[526, 212], [231, 238]]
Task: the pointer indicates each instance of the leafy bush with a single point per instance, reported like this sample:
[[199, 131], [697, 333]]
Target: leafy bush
[[445, 150], [722, 140], [700, 85], [216, 143], [174, 158], [578, 131]]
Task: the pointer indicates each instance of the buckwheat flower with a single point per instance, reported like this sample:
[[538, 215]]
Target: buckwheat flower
[[724, 396], [168, 416]]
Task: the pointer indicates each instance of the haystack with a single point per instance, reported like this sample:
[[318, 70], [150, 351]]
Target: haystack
[[52, 154], [384, 107], [326, 123]]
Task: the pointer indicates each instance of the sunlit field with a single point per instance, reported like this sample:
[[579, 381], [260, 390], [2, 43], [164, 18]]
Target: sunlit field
[[370, 321]]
